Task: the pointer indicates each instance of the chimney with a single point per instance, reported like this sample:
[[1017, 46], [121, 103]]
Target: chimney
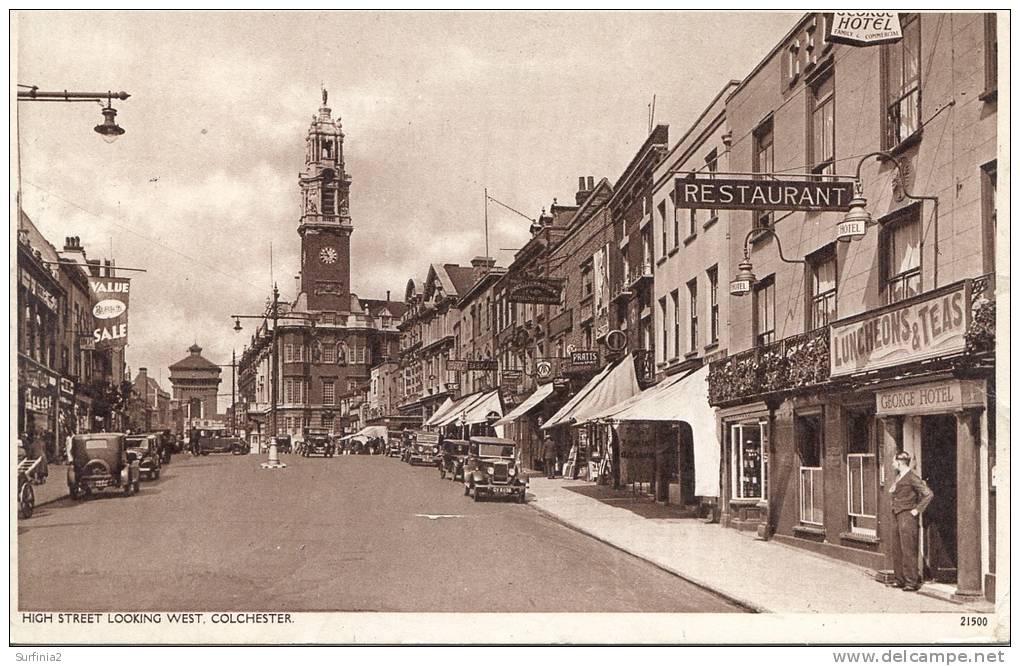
[[481, 266], [387, 295], [585, 186]]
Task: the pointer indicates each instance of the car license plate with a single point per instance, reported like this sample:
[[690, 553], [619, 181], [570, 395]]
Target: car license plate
[[501, 490]]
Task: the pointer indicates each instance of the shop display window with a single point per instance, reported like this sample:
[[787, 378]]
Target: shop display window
[[809, 445], [748, 444], [862, 476]]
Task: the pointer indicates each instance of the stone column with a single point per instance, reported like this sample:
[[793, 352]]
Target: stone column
[[968, 505]]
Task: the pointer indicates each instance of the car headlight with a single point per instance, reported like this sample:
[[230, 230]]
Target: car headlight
[[435, 449], [513, 471], [490, 470]]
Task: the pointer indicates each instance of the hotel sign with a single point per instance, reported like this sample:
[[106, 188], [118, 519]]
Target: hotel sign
[[751, 194], [939, 397], [864, 28], [901, 333]]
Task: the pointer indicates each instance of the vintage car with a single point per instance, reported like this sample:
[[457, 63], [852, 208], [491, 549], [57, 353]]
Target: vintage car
[[242, 447], [102, 460], [318, 443], [284, 444], [406, 442], [424, 448], [491, 470], [394, 443], [452, 456], [218, 443], [147, 449]]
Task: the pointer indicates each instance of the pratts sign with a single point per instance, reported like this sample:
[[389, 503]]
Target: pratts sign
[[864, 28], [911, 331], [752, 194]]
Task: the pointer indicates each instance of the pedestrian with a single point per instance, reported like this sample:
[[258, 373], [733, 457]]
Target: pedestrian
[[37, 449], [67, 447], [549, 456], [193, 441], [910, 497]]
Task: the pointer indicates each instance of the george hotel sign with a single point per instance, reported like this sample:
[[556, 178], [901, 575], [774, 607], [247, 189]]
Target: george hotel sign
[[752, 194], [863, 28], [910, 331]]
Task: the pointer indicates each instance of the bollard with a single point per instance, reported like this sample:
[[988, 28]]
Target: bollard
[[274, 459]]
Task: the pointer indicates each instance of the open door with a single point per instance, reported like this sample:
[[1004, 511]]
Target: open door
[[938, 527]]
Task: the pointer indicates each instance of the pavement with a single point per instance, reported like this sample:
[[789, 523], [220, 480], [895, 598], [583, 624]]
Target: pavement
[[756, 574], [350, 533]]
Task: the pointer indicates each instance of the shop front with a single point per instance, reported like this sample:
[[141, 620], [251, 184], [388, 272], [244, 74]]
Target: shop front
[[38, 402], [808, 462]]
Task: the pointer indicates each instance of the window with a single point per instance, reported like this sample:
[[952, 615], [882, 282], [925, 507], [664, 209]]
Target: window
[[692, 222], [764, 163], [713, 303], [692, 293], [665, 328], [587, 336], [328, 392], [329, 353], [646, 250], [902, 91], [989, 215], [901, 266], [821, 145], [326, 421], [747, 471], [991, 56], [765, 311], [288, 353], [809, 445], [822, 294], [711, 167], [587, 285], [676, 325], [676, 219], [662, 220], [861, 476]]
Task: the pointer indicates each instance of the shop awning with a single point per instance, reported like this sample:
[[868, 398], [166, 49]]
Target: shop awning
[[439, 413], [560, 417], [374, 431], [460, 407], [608, 413], [618, 385], [532, 401], [480, 410], [686, 401]]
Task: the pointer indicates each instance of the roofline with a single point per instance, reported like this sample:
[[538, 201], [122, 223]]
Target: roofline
[[639, 158], [702, 115], [775, 49]]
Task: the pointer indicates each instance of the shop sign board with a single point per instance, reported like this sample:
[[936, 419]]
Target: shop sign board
[[863, 28], [483, 364], [109, 311], [511, 376], [540, 291], [456, 365], [932, 398], [41, 292], [584, 359], [914, 330], [543, 369], [755, 194]]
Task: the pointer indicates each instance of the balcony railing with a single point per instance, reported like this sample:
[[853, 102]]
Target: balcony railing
[[639, 272], [792, 363], [619, 289]]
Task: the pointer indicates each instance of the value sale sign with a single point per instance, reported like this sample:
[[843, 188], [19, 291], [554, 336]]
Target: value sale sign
[[109, 311]]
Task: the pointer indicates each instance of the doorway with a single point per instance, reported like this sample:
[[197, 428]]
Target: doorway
[[938, 469], [684, 464]]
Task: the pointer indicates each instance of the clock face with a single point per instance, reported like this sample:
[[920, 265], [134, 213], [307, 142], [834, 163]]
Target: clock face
[[328, 255]]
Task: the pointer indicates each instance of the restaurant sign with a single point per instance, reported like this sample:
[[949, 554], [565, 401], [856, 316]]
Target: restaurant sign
[[934, 398], [901, 333], [752, 194], [864, 28], [541, 291]]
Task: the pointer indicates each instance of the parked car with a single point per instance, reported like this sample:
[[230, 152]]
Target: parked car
[[318, 443], [146, 447], [100, 461], [451, 462], [424, 448], [284, 444], [394, 443], [491, 470], [220, 443], [242, 447]]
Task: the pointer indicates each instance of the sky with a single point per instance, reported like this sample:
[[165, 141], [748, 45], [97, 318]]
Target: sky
[[435, 106]]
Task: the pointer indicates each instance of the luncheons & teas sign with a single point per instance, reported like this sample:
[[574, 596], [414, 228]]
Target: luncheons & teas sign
[[906, 332]]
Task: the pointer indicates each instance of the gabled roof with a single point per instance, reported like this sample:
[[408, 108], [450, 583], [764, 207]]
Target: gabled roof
[[462, 277]]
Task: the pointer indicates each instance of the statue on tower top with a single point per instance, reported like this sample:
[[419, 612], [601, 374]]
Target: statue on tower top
[[325, 95]]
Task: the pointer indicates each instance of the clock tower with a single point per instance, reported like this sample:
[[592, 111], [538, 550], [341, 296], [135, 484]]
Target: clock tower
[[325, 227]]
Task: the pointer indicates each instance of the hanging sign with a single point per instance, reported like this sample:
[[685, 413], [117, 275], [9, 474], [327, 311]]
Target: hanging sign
[[109, 311], [584, 359], [511, 376], [456, 365], [541, 291], [863, 28], [901, 333], [485, 364], [751, 194], [543, 369]]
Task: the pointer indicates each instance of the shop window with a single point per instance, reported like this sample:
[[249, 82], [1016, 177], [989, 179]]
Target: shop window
[[901, 68], [861, 476], [765, 311], [822, 289], [764, 164], [821, 144], [901, 256], [713, 303], [809, 446], [748, 442], [692, 293]]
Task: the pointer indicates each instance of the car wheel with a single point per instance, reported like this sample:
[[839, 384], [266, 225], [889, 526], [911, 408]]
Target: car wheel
[[467, 491], [158, 472], [128, 488], [26, 501], [478, 498], [72, 490]]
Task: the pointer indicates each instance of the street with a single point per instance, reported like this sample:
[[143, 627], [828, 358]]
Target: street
[[351, 533]]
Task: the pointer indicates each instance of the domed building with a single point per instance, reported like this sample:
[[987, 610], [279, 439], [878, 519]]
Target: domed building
[[196, 382]]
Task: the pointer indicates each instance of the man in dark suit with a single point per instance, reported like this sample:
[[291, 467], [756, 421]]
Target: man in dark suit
[[910, 497]]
